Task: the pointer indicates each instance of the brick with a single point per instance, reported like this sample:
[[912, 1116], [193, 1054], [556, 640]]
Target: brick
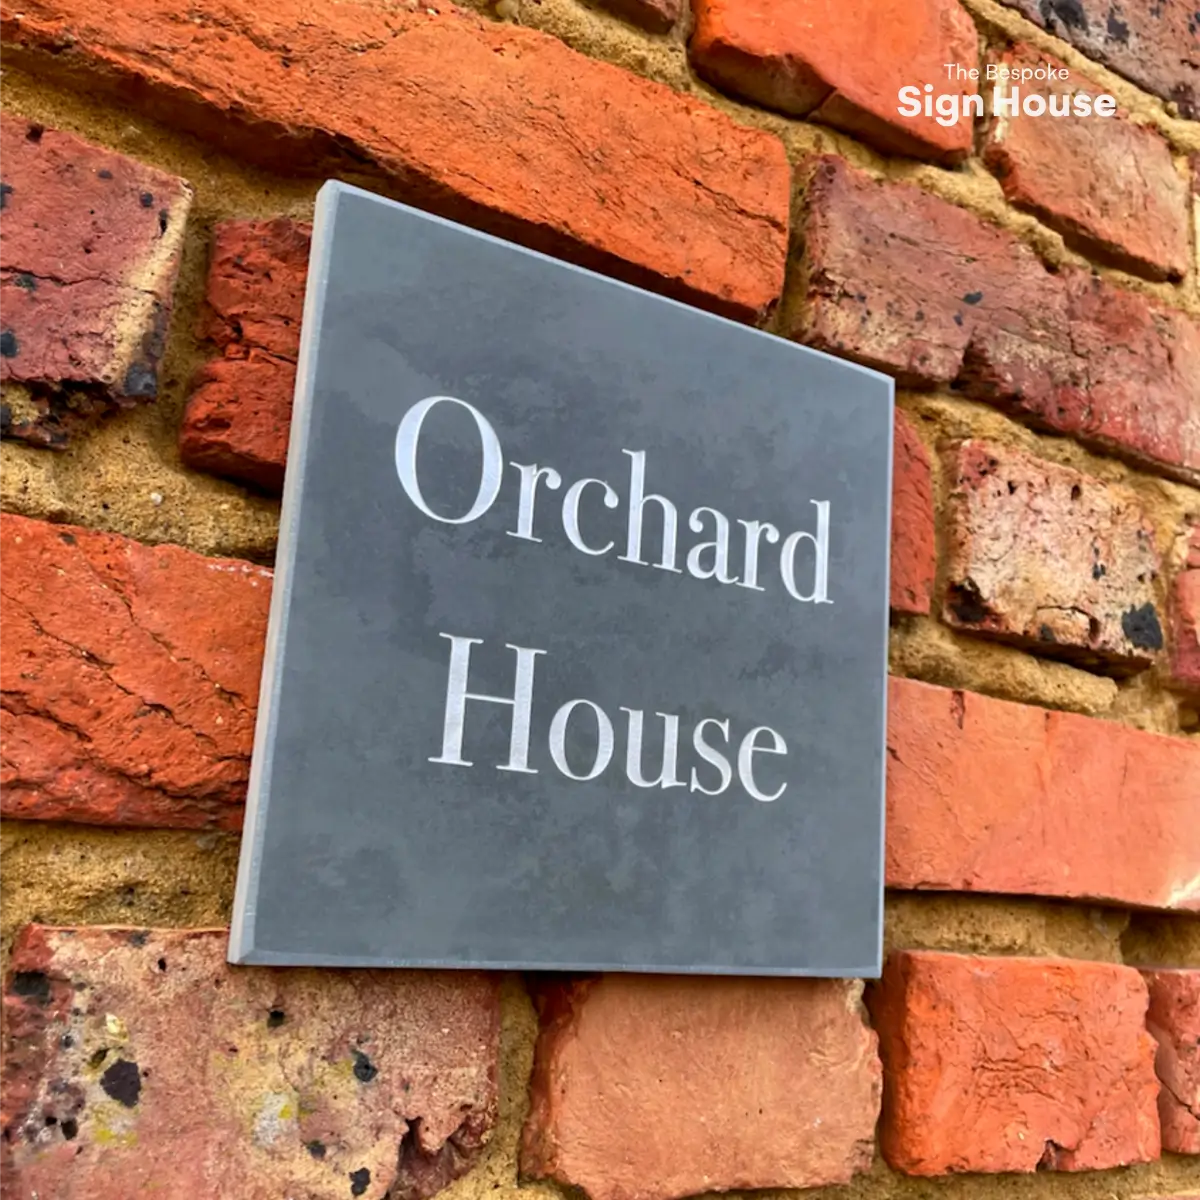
[[1157, 46], [1185, 619], [129, 676], [254, 294], [523, 137], [1174, 1020], [1108, 186], [658, 16], [1049, 558], [914, 553], [90, 250], [138, 1062], [910, 284], [985, 795], [886, 270], [237, 417], [723, 1084], [1013, 1064], [849, 75]]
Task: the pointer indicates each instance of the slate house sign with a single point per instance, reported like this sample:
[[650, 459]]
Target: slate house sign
[[577, 645]]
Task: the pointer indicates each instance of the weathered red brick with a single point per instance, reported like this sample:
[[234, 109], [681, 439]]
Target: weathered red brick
[[1185, 645], [1185, 618], [138, 1062], [985, 795], [813, 58], [1174, 1020], [237, 418], [254, 295], [1107, 185], [88, 258], [908, 283], [1157, 46], [658, 16], [491, 123], [129, 676], [914, 552], [1049, 558], [887, 269], [649, 1088], [1013, 1064]]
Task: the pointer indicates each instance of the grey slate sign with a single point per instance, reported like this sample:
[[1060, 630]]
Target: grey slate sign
[[577, 646]]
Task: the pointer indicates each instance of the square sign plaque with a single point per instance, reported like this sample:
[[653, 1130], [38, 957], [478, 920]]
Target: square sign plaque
[[578, 638]]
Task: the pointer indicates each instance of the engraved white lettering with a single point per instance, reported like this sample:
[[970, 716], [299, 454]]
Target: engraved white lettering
[[409, 434], [637, 502], [708, 558], [720, 547], [712, 756], [529, 481], [667, 777], [746, 752], [558, 740], [820, 541], [456, 705], [762, 739], [570, 513], [754, 531]]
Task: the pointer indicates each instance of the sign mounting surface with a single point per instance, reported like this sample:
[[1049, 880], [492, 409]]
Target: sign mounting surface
[[578, 642]]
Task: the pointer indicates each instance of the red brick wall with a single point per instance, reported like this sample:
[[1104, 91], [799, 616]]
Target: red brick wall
[[1033, 287]]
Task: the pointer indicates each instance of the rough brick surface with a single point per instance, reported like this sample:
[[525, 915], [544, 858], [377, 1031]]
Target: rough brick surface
[[1108, 185], [1174, 1020], [238, 415], [985, 795], [129, 676], [1185, 618], [658, 16], [524, 136], [914, 551], [139, 1063], [1156, 45], [1014, 1064], [820, 59], [90, 249], [237, 419], [650, 1088], [906, 282], [1046, 557]]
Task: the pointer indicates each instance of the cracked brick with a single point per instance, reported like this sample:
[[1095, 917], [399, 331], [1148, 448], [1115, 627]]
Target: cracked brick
[[906, 282], [525, 137], [1050, 559], [986, 795], [129, 678], [1109, 186], [1174, 1020], [138, 1062], [1013, 1064], [88, 259], [849, 75], [759, 1083]]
